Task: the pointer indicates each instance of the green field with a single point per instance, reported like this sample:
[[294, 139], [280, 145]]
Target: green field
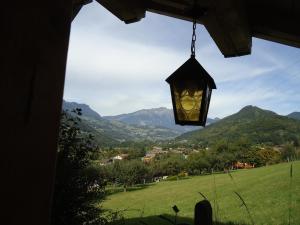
[[265, 190]]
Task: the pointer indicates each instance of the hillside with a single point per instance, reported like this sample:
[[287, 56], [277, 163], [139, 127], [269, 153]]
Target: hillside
[[160, 117], [294, 115], [253, 123], [121, 132], [115, 132], [101, 138], [265, 191]]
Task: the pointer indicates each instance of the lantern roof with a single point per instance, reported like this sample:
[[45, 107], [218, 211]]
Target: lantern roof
[[192, 70]]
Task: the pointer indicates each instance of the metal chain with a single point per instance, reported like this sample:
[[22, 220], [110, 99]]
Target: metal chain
[[193, 39]]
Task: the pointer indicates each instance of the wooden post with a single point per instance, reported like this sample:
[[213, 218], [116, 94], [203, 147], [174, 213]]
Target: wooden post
[[34, 45]]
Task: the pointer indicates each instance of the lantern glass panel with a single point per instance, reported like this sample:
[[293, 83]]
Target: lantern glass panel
[[188, 102], [206, 104]]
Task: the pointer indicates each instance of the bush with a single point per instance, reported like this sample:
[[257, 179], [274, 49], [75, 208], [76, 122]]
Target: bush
[[77, 182]]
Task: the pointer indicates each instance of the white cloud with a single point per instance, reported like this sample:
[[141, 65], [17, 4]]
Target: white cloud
[[109, 58], [224, 102]]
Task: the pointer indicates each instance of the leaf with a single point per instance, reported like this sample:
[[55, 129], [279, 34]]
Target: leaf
[[202, 195]]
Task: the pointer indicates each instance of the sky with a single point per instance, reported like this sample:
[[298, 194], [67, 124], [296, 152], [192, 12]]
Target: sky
[[117, 68]]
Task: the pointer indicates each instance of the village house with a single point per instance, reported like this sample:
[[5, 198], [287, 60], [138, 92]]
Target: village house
[[157, 150], [148, 157], [241, 165], [120, 157], [151, 154]]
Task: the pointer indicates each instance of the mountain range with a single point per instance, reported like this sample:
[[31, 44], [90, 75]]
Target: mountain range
[[258, 125], [117, 131], [160, 117]]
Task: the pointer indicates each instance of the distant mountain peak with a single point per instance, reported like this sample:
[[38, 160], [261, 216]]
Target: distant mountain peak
[[254, 110], [294, 115], [159, 109], [85, 109], [250, 108]]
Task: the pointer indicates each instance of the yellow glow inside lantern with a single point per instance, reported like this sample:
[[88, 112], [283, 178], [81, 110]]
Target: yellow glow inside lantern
[[188, 103]]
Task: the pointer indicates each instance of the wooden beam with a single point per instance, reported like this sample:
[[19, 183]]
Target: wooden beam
[[129, 11], [179, 9], [274, 26], [227, 24], [167, 10]]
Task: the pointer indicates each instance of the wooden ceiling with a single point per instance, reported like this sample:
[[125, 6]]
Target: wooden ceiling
[[231, 23]]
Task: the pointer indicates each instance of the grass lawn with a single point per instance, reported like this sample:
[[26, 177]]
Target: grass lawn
[[266, 191]]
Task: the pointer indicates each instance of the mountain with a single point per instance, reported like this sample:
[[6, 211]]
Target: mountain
[[294, 115], [85, 109], [117, 131], [160, 117], [253, 123]]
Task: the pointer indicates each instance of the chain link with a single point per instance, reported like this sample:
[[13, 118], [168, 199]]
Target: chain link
[[193, 39]]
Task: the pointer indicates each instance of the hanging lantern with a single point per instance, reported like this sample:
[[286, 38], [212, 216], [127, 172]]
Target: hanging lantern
[[191, 88]]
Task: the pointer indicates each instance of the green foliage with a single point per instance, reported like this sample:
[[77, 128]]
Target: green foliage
[[268, 156], [78, 183], [127, 173], [167, 165], [198, 163], [289, 152], [135, 152]]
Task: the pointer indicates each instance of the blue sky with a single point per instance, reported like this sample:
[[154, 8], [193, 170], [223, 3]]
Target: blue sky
[[117, 68]]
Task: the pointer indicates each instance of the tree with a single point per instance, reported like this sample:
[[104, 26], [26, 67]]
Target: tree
[[128, 173], [173, 164], [77, 182], [198, 163], [268, 156], [288, 152]]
